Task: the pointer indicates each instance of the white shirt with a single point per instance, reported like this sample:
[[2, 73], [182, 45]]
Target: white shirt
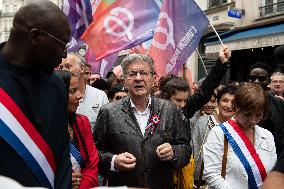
[[9, 183], [90, 105], [142, 119], [236, 176]]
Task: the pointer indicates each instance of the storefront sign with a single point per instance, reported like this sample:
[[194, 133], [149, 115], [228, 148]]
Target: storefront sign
[[250, 43]]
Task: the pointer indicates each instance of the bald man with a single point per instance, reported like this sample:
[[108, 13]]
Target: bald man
[[34, 144]]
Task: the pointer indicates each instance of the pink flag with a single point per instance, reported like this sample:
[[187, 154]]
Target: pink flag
[[122, 25], [142, 48]]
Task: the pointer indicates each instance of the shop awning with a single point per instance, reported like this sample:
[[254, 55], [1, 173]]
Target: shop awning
[[247, 39]]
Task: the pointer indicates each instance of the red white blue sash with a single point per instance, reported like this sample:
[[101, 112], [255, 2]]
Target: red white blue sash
[[246, 153], [20, 134]]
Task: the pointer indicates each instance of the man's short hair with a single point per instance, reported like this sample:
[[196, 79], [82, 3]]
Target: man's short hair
[[132, 58], [170, 85], [79, 59], [277, 73], [278, 54], [262, 65]]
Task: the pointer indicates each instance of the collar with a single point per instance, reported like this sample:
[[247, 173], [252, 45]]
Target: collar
[[132, 105], [259, 132]]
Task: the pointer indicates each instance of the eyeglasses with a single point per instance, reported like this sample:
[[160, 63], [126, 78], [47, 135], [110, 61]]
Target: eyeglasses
[[134, 74], [260, 78], [65, 45], [277, 81]]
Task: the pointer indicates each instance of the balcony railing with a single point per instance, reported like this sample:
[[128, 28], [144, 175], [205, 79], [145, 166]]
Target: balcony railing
[[271, 10]]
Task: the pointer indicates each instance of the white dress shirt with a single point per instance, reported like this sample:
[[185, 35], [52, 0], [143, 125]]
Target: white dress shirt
[[141, 117], [236, 176], [90, 105]]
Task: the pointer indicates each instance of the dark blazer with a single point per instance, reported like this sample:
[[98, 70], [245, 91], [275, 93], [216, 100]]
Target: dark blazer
[[118, 131], [206, 90], [274, 121], [42, 99]]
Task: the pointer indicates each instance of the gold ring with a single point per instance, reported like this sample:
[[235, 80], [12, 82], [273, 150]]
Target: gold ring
[[78, 180]]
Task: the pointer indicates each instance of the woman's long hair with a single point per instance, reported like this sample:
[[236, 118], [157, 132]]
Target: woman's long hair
[[66, 76]]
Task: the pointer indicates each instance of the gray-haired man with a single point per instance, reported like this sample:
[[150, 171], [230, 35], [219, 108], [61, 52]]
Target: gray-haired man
[[141, 139]]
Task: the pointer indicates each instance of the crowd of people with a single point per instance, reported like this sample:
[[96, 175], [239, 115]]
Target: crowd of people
[[62, 126]]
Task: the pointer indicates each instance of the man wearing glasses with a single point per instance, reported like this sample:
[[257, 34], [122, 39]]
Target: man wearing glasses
[[34, 146], [141, 139], [277, 84], [273, 121]]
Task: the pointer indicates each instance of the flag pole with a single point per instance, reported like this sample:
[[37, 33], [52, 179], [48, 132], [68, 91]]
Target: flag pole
[[216, 33], [202, 62]]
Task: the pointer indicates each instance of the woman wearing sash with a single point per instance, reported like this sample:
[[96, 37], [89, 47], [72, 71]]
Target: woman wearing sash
[[83, 152], [238, 154]]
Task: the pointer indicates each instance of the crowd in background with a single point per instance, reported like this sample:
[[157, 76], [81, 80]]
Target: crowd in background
[[63, 126], [206, 106]]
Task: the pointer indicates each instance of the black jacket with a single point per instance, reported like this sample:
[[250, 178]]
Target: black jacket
[[205, 91], [274, 121], [43, 101], [118, 131]]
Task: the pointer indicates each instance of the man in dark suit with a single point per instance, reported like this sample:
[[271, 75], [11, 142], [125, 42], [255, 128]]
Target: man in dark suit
[[141, 139], [273, 121], [34, 143]]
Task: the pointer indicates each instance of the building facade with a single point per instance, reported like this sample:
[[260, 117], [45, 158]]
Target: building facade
[[251, 28], [9, 8]]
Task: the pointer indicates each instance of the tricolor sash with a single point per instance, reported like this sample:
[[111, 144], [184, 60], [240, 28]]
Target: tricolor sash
[[76, 158], [246, 153], [20, 134]]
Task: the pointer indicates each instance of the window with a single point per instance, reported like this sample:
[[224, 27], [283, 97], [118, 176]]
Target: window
[[6, 25], [271, 7], [268, 6], [7, 8], [280, 5], [214, 3], [6, 36], [15, 9]]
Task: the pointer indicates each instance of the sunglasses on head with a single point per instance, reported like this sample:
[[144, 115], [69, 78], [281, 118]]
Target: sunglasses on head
[[260, 78]]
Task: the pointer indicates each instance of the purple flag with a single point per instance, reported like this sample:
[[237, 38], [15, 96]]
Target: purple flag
[[103, 66], [79, 13], [180, 26]]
